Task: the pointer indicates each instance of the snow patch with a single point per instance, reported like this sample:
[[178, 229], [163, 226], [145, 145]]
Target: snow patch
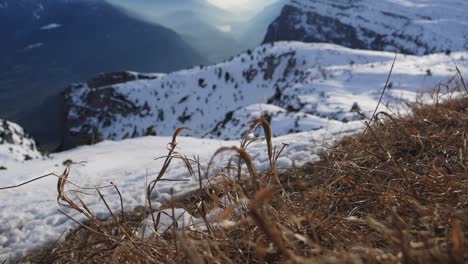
[[33, 46], [50, 26]]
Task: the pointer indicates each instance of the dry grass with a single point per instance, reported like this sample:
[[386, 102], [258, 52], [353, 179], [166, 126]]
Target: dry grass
[[396, 194]]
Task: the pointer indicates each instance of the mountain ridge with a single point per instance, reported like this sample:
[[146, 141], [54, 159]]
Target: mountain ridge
[[410, 27], [291, 83]]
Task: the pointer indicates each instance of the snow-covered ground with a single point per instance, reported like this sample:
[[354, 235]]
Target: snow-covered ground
[[29, 215]]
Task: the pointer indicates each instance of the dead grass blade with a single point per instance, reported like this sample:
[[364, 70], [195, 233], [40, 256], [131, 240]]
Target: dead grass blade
[[383, 92], [456, 241], [164, 168], [462, 79], [244, 156]]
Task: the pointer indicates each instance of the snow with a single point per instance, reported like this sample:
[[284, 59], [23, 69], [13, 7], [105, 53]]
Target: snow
[[183, 218], [51, 26], [30, 218], [15, 144], [33, 46], [38, 11]]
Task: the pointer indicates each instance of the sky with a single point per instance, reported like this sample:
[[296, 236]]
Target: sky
[[241, 6]]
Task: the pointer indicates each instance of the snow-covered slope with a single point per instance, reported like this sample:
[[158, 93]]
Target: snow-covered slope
[[299, 87], [411, 26], [15, 144], [29, 215]]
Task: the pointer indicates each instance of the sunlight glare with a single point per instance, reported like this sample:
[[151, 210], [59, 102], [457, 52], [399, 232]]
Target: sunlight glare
[[238, 6]]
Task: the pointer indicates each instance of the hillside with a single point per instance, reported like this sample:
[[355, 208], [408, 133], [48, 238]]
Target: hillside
[[299, 87], [412, 27], [49, 44]]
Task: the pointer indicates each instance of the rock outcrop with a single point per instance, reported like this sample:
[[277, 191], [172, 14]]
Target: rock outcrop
[[103, 102], [15, 144]]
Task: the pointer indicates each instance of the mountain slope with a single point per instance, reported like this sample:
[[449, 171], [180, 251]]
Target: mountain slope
[[299, 87], [48, 44], [411, 26]]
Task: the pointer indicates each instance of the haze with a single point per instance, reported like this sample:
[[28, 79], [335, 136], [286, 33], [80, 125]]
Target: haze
[[242, 8], [217, 29]]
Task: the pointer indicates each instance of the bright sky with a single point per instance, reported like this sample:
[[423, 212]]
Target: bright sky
[[237, 6]]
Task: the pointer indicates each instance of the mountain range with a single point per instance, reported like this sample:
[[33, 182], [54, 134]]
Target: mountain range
[[47, 44], [299, 87], [50, 47]]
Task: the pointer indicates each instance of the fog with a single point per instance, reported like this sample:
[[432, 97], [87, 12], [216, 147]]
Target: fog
[[217, 29], [243, 9]]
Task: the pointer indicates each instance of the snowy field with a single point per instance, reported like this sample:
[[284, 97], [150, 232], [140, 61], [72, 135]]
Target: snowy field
[[29, 215]]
